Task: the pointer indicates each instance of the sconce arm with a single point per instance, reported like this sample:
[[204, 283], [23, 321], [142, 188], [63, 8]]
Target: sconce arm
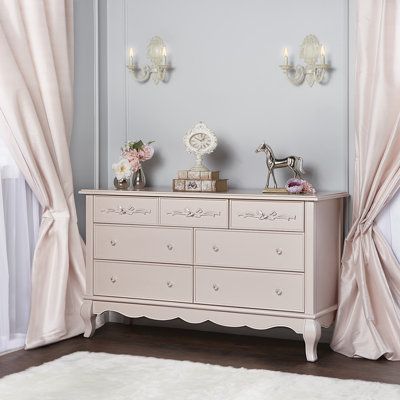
[[144, 74], [296, 74], [157, 72], [320, 72]]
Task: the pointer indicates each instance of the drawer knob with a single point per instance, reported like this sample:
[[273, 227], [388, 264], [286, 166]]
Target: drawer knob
[[215, 287], [278, 292], [170, 247], [170, 284], [279, 252], [215, 248], [113, 242], [113, 279]]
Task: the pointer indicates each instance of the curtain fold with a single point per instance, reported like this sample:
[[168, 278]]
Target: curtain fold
[[36, 105], [368, 319]]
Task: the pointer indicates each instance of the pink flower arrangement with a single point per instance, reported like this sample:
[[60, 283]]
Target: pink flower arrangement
[[136, 153], [297, 186]]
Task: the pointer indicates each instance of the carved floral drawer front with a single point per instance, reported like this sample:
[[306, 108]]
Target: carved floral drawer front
[[143, 281], [140, 243], [244, 249], [248, 288], [267, 215], [194, 213], [126, 210]]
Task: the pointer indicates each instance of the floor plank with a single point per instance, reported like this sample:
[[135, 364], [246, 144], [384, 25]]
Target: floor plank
[[207, 347]]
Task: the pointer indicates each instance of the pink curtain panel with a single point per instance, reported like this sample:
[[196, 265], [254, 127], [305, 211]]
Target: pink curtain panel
[[368, 320], [36, 105]]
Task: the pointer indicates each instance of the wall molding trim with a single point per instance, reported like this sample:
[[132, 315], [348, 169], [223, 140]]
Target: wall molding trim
[[126, 72], [96, 86]]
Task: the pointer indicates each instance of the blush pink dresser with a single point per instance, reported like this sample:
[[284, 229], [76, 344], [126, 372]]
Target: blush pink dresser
[[236, 258]]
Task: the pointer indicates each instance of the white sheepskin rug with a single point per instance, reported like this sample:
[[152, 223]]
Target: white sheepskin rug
[[87, 376]]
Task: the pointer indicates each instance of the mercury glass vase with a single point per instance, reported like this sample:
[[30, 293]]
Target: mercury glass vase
[[121, 185], [138, 180]]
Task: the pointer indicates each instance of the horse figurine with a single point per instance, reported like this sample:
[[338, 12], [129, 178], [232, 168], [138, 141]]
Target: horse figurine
[[294, 163]]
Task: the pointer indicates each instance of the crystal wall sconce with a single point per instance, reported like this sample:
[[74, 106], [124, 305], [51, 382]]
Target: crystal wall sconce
[[157, 55], [313, 54]]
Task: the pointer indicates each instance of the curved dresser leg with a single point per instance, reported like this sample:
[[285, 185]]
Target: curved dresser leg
[[88, 317], [311, 335]]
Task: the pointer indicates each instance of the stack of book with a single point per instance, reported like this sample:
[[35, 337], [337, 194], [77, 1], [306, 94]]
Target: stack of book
[[199, 181]]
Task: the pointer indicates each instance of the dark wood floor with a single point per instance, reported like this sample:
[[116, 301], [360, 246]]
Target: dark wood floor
[[214, 348]]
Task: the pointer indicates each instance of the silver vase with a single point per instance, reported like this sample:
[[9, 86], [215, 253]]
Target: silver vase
[[123, 184], [138, 180]]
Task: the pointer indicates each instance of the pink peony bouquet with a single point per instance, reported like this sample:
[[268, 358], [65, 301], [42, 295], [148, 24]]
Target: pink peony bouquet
[[295, 185], [136, 153]]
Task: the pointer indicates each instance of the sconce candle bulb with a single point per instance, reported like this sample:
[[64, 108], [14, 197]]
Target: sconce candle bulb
[[130, 56], [285, 56], [323, 54]]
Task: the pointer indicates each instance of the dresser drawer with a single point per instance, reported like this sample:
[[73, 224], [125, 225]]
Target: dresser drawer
[[126, 210], [194, 212], [268, 215], [248, 288], [143, 281], [265, 250], [139, 243]]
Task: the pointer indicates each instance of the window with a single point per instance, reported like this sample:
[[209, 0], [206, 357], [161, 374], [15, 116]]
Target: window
[[19, 226], [389, 224]]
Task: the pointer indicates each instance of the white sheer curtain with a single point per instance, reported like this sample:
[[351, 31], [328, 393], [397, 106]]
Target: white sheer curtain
[[19, 225], [389, 224]]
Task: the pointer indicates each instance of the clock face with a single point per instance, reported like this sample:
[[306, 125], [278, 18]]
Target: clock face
[[200, 140]]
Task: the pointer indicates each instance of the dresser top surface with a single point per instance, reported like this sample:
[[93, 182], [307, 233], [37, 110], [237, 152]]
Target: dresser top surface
[[249, 194]]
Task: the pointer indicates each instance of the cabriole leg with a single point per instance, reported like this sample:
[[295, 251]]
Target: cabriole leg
[[89, 318], [311, 335]]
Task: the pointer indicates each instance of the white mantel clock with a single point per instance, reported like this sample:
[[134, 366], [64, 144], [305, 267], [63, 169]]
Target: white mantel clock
[[200, 140]]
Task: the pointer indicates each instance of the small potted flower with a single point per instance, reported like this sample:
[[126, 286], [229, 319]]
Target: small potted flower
[[136, 153], [122, 171]]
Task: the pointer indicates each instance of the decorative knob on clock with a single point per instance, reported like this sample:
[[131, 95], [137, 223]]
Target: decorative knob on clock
[[278, 292], [113, 242], [113, 279], [279, 252], [170, 284], [215, 287], [170, 247]]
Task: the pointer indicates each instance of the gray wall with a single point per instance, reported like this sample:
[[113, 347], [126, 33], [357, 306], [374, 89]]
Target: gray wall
[[225, 56]]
